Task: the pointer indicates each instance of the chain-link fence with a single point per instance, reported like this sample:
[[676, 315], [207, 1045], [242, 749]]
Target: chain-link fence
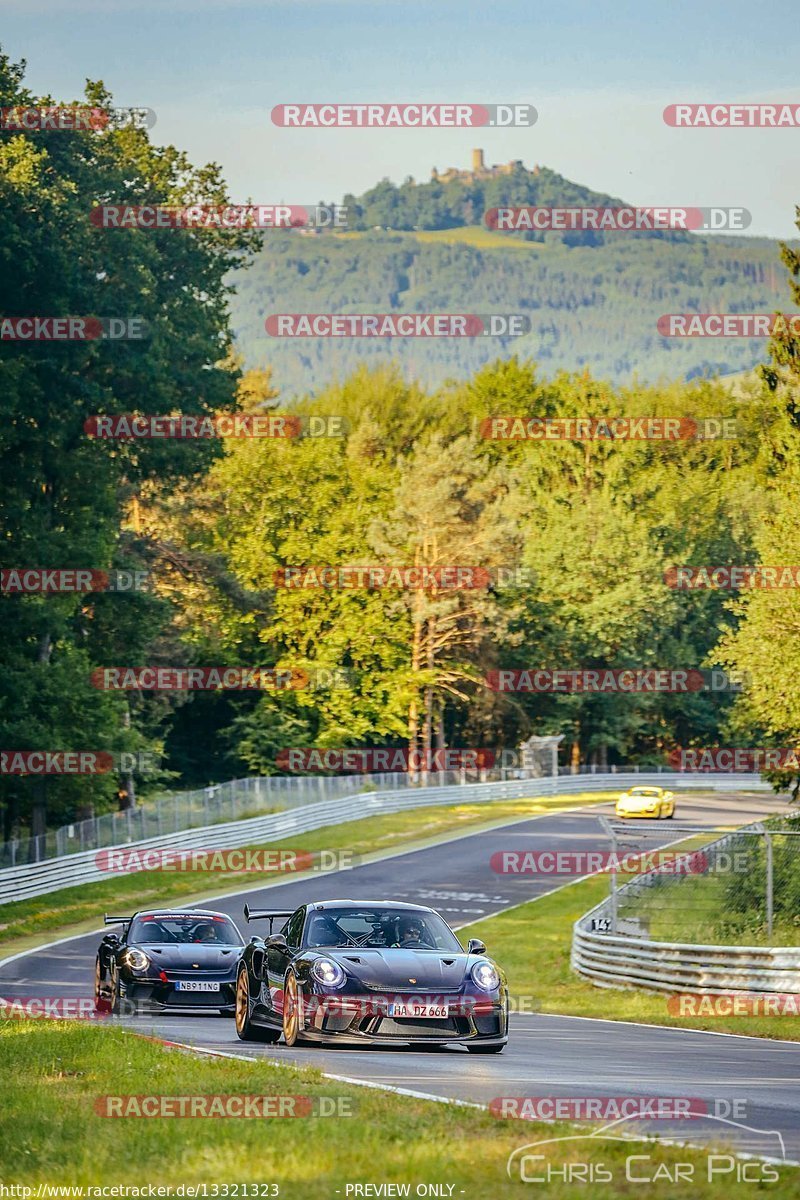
[[741, 888], [229, 801], [251, 797]]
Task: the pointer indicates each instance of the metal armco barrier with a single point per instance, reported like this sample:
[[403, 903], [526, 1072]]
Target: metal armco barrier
[[38, 879], [630, 962], [616, 960]]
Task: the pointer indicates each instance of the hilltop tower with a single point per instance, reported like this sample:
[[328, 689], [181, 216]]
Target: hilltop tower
[[478, 164]]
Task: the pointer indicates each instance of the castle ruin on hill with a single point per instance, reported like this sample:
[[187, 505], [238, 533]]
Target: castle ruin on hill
[[479, 170]]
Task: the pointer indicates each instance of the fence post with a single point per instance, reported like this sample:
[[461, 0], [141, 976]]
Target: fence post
[[768, 837], [614, 899]]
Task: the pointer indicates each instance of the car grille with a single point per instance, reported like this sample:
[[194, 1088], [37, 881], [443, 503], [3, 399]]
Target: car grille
[[210, 976], [411, 988], [409, 1028]]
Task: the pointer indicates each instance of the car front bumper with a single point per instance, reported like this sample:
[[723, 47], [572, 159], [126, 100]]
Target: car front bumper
[[344, 1019], [149, 994]]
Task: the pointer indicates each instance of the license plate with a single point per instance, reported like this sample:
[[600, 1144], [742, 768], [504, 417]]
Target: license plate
[[195, 985], [430, 1011]]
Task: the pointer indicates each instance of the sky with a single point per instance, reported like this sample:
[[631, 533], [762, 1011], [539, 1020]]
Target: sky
[[598, 74]]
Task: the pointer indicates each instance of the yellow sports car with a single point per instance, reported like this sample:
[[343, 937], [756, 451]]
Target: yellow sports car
[[645, 802]]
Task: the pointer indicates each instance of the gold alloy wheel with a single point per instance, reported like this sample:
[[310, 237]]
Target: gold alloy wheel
[[291, 1010], [242, 1001], [98, 998]]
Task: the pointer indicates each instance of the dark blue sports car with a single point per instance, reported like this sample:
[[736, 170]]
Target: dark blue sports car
[[368, 973], [168, 960]]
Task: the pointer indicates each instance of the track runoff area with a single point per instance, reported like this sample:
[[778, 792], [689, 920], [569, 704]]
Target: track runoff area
[[550, 1058]]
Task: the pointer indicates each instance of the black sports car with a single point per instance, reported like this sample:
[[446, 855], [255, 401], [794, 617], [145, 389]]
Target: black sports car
[[165, 960], [361, 972]]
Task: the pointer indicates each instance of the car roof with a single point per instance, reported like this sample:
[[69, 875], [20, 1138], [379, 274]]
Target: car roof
[[389, 905]]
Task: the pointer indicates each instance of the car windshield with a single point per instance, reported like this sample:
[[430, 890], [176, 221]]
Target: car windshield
[[649, 792], [395, 928], [185, 928]]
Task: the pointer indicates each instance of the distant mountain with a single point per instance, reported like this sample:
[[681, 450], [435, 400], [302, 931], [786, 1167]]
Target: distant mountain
[[457, 198], [593, 300]]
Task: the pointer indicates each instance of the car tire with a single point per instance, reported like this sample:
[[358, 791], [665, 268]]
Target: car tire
[[246, 1031], [115, 996], [102, 1003], [479, 1049], [292, 1010]]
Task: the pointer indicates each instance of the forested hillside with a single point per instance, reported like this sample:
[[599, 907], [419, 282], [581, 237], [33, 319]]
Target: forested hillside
[[594, 306], [588, 528]]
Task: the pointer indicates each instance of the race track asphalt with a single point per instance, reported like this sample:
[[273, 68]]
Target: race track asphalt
[[738, 1081]]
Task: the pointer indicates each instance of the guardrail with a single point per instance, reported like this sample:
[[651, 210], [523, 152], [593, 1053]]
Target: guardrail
[[233, 800], [616, 959], [41, 878], [236, 799]]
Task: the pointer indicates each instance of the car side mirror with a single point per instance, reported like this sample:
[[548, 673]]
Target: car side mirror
[[277, 941], [476, 946], [112, 939]]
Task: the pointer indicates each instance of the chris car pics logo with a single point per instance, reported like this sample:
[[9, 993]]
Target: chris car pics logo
[[575, 1159]]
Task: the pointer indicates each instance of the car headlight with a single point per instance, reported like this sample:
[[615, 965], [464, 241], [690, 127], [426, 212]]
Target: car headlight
[[137, 960], [328, 973], [485, 976]]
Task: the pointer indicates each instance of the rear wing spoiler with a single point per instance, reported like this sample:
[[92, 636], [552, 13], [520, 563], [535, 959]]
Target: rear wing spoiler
[[107, 920], [265, 914]]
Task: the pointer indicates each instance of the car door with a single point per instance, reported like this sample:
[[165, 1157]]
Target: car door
[[279, 956]]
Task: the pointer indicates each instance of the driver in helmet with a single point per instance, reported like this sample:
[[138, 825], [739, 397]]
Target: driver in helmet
[[205, 933], [410, 932]]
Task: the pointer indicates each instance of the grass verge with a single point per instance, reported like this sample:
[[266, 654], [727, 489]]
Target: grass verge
[[25, 923], [53, 1074], [533, 943]]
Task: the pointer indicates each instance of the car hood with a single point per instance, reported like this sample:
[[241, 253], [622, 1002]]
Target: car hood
[[390, 968], [185, 956]]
